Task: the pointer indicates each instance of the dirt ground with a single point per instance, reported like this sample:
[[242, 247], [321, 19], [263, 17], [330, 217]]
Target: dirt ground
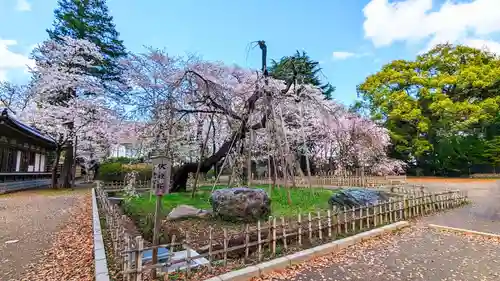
[[30, 221]]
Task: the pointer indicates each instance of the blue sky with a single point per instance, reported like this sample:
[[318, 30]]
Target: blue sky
[[351, 39]]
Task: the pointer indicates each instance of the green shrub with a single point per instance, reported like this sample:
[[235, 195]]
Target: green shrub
[[211, 174], [116, 171], [145, 172], [111, 172], [122, 160]]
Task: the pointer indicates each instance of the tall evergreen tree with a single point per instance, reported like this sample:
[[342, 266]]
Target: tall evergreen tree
[[307, 71], [90, 20]]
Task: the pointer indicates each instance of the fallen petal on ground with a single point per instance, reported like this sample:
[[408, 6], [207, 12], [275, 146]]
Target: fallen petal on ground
[[71, 256]]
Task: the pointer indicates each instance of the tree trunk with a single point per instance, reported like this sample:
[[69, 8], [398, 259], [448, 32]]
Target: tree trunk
[[67, 167], [181, 176], [55, 165]]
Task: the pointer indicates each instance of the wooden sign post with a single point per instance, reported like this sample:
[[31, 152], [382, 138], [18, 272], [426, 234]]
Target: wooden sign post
[[161, 185]]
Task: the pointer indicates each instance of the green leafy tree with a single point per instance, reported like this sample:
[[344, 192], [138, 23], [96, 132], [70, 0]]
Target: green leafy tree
[[90, 20], [492, 151], [438, 108], [305, 69]]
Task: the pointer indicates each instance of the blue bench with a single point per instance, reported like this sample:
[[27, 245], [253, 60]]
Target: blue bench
[[23, 185]]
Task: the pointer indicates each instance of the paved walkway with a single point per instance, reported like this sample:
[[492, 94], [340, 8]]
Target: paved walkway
[[32, 218], [420, 253], [482, 215], [414, 254]]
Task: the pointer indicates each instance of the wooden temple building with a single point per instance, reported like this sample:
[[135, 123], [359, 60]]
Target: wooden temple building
[[25, 155]]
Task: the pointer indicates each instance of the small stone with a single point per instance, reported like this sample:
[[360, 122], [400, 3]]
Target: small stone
[[204, 213], [11, 241], [183, 211]]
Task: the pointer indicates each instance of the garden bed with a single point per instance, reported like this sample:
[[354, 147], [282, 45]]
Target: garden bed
[[142, 208]]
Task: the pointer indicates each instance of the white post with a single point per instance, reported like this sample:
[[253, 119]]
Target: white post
[[18, 161], [37, 163]]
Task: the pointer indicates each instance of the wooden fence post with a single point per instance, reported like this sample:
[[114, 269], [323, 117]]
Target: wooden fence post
[[274, 236], [225, 247], [299, 235], [283, 227], [361, 217], [401, 209], [353, 218], [188, 257], [320, 229], [345, 222], [126, 259], [138, 256], [329, 216], [309, 223], [381, 214], [210, 257], [336, 214], [259, 240]]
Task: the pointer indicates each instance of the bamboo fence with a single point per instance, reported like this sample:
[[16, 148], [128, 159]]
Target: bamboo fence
[[316, 181], [322, 181], [265, 239], [491, 175]]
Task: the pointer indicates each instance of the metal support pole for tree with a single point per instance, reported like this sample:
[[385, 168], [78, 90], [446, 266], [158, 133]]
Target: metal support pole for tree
[[249, 160], [74, 163]]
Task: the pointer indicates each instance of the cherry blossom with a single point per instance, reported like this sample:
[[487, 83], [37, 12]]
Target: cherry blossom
[[62, 67], [179, 98]]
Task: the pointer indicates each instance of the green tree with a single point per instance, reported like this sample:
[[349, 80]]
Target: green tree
[[492, 151], [438, 108], [307, 71], [90, 20]]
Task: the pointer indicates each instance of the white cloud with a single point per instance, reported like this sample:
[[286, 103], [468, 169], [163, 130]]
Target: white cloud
[[23, 6], [490, 46], [416, 20], [342, 55], [11, 60]]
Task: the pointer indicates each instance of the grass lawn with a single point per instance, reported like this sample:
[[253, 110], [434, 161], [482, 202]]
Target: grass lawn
[[303, 200]]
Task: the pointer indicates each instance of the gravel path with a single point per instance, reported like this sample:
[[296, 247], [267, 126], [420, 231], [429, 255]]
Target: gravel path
[[33, 218], [420, 253]]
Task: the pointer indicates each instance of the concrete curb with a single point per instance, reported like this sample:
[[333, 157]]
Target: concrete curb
[[100, 264], [462, 230], [305, 255]]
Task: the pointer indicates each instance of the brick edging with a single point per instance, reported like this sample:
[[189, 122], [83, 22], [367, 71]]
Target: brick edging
[[100, 264], [302, 256]]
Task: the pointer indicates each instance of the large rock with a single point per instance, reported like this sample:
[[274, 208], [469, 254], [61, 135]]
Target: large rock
[[353, 197], [241, 203]]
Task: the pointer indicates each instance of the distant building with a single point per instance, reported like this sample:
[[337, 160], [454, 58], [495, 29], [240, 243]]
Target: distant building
[[124, 150], [25, 155], [129, 145]]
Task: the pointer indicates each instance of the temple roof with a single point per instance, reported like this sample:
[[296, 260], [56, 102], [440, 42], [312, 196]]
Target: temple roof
[[30, 131]]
